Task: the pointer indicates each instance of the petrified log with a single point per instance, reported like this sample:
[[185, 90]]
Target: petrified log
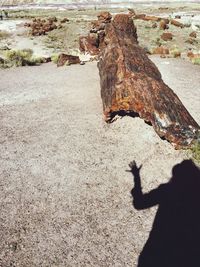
[[64, 59], [89, 44], [177, 23], [93, 42], [131, 83]]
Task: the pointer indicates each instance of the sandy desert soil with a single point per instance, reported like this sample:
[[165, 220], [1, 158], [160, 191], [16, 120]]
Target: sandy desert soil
[[64, 192]]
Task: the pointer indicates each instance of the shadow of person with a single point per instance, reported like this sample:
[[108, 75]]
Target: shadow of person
[[174, 240]]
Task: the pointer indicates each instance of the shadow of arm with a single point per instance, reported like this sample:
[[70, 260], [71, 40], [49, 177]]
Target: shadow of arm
[[147, 200]]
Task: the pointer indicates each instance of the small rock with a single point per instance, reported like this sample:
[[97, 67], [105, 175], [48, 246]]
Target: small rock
[[163, 25], [191, 41], [52, 19], [193, 34], [177, 23], [161, 50], [167, 36], [64, 59], [64, 20], [154, 25]]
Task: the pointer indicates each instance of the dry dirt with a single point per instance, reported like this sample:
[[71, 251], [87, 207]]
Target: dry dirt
[[64, 192]]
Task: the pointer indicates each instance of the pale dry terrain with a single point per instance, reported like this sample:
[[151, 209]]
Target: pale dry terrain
[[64, 190]]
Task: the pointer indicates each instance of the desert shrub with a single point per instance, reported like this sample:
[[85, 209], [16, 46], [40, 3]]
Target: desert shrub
[[196, 61], [54, 58], [175, 51], [196, 151], [22, 57]]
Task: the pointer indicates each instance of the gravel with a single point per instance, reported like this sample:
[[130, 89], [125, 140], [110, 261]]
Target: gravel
[[64, 190]]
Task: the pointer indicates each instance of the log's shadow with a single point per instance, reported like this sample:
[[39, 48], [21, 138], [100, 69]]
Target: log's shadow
[[174, 240]]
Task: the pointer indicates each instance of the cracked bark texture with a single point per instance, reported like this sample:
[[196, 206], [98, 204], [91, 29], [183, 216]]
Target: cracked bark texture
[[131, 83]]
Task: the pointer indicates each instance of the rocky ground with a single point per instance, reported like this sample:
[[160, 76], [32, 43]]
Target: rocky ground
[[64, 190], [66, 38]]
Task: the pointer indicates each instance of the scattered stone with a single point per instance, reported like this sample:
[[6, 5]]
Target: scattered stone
[[131, 83], [46, 60], [64, 20], [191, 41], [82, 63], [64, 59], [140, 16], [167, 36], [176, 53], [104, 17], [94, 41], [166, 20], [163, 25], [177, 17], [154, 25], [191, 55], [177, 23], [41, 27], [59, 26], [97, 26], [52, 19], [161, 50], [193, 34], [89, 44], [132, 12], [152, 18]]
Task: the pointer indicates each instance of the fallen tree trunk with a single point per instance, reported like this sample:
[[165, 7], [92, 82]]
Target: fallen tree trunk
[[131, 83]]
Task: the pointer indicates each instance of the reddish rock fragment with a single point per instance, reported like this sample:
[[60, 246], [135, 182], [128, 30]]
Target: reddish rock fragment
[[89, 44], [152, 18], [191, 55], [163, 25], [191, 41], [154, 25], [131, 83], [64, 59], [52, 19], [177, 23], [139, 16], [105, 16], [161, 50], [97, 26], [94, 41], [193, 34], [167, 36], [64, 20], [41, 27]]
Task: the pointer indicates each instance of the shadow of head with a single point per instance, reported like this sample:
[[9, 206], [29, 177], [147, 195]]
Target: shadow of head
[[186, 175]]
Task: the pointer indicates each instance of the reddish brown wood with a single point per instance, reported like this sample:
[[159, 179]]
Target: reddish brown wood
[[131, 83], [67, 59]]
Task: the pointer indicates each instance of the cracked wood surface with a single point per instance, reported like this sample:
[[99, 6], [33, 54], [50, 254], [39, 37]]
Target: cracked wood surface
[[131, 83]]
